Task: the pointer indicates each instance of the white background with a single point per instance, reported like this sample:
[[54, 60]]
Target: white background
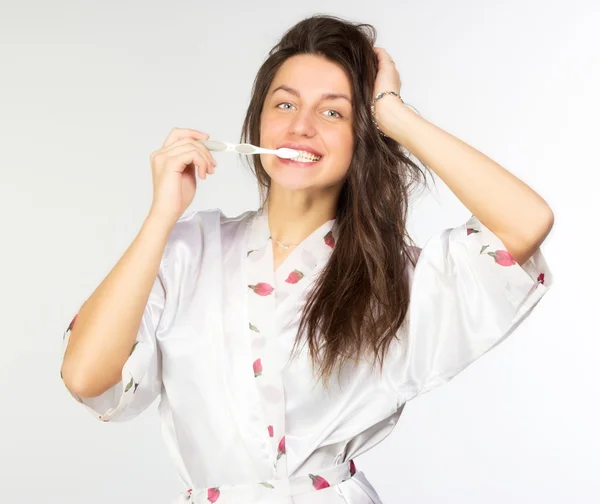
[[90, 89]]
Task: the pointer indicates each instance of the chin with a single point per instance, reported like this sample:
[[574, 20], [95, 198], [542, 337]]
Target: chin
[[299, 177], [293, 183]]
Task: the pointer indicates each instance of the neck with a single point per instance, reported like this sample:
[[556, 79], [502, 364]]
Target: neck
[[292, 217]]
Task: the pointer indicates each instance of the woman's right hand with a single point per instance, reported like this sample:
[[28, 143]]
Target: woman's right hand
[[174, 168]]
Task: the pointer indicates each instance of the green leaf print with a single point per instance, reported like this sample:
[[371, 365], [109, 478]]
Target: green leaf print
[[130, 384]]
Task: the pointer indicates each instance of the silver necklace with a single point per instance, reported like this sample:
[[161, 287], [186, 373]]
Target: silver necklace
[[284, 245]]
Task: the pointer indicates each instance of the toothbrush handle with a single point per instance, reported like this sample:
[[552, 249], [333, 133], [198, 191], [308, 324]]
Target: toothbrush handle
[[216, 145]]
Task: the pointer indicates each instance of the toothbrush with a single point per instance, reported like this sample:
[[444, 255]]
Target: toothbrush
[[248, 149]]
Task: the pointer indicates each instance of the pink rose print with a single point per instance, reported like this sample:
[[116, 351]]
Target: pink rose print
[[294, 277], [270, 429], [540, 278], [329, 239], [72, 323], [471, 230], [352, 468], [262, 289], [502, 257], [281, 448], [213, 494], [319, 482], [257, 368]]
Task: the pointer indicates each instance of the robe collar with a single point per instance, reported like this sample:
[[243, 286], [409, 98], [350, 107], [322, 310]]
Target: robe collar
[[320, 242]]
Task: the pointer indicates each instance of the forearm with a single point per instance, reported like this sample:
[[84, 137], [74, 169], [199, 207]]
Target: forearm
[[501, 201], [106, 327]]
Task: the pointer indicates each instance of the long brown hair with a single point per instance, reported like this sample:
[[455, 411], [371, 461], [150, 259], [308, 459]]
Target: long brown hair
[[361, 297]]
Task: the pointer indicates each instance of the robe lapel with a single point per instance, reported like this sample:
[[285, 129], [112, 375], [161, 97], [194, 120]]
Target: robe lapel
[[268, 295]]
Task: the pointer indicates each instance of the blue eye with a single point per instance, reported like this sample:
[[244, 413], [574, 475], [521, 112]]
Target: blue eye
[[338, 114], [330, 110]]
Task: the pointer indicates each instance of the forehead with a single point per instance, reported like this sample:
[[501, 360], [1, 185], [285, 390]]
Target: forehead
[[312, 76]]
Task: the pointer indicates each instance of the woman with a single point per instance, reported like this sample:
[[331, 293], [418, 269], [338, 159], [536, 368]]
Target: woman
[[239, 323]]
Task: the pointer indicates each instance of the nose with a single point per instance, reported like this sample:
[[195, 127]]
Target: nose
[[302, 124]]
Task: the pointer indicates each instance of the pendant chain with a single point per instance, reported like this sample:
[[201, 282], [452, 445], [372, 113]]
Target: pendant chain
[[284, 246]]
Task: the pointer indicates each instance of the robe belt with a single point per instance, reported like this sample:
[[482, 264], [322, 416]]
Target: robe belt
[[246, 493]]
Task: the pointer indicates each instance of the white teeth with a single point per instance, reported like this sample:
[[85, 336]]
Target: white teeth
[[306, 157]]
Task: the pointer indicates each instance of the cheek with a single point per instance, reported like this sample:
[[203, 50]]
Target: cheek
[[344, 150], [270, 130], [349, 146]]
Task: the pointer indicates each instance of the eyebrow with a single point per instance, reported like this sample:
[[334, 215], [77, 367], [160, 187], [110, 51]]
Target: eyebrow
[[324, 96]]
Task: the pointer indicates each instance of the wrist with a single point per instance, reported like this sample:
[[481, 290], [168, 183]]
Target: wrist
[[376, 106], [392, 116], [159, 223]]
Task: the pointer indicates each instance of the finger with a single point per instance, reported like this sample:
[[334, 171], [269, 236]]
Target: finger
[[208, 167], [191, 142], [179, 133], [210, 160], [185, 145], [383, 54], [203, 169], [200, 159], [181, 161]]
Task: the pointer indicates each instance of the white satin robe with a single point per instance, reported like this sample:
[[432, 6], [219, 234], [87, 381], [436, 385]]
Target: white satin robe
[[242, 424]]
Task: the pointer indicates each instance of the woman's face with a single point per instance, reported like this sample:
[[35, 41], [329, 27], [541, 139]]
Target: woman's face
[[308, 107]]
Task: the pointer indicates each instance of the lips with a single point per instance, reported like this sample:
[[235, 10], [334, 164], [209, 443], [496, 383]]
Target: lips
[[301, 147]]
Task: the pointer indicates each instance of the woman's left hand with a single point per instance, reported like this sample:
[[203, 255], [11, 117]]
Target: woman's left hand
[[388, 77]]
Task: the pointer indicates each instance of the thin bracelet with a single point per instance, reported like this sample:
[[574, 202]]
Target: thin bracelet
[[377, 97]]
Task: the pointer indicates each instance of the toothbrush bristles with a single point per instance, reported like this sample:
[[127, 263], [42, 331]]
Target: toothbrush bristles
[[287, 153]]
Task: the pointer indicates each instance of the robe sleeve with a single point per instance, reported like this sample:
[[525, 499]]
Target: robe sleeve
[[467, 295], [141, 380]]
